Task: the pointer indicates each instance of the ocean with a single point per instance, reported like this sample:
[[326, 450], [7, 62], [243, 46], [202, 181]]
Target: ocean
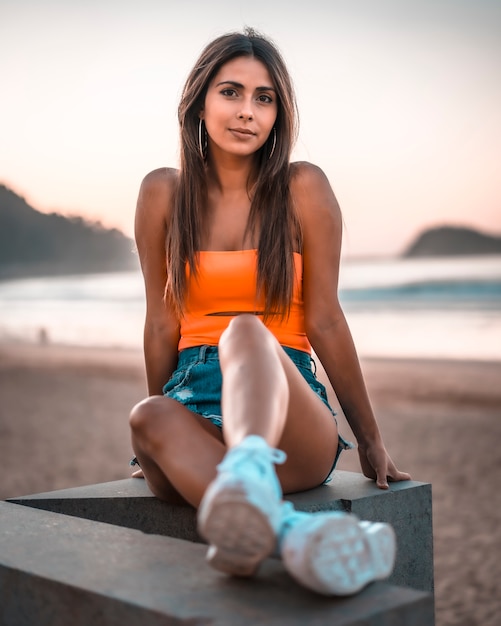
[[414, 308]]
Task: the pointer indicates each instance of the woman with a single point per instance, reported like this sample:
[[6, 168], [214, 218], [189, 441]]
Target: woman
[[240, 254]]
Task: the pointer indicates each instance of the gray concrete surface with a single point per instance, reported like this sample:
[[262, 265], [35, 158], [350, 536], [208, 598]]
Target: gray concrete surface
[[406, 505], [57, 570]]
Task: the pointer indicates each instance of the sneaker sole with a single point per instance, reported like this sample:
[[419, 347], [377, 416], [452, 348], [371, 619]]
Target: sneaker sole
[[340, 556], [239, 533]]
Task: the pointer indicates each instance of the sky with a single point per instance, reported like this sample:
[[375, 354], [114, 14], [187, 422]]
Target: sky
[[399, 100]]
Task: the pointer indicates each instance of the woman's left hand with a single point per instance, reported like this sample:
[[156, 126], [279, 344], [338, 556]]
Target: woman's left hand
[[377, 464]]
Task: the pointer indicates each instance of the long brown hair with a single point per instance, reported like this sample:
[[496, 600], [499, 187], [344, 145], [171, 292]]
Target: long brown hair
[[272, 216]]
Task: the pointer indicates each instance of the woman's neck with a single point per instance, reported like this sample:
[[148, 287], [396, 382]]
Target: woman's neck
[[229, 201], [230, 177]]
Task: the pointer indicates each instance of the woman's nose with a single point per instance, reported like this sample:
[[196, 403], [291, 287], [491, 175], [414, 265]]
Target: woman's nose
[[245, 112]]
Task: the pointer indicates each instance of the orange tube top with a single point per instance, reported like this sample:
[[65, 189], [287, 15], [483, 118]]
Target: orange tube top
[[225, 287]]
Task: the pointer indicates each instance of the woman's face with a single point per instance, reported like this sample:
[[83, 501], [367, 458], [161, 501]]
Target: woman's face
[[240, 108]]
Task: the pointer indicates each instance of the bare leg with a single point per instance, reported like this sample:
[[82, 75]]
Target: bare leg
[[265, 394], [255, 396], [178, 451], [266, 404], [242, 515]]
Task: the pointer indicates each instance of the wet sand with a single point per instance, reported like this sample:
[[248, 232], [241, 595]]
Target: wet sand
[[63, 423]]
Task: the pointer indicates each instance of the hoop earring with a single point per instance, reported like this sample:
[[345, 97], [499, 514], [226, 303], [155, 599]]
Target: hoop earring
[[274, 143], [202, 140]]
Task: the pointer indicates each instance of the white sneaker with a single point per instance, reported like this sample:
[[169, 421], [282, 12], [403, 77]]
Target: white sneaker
[[333, 553], [241, 511]]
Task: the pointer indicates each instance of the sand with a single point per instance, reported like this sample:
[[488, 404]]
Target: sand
[[63, 423]]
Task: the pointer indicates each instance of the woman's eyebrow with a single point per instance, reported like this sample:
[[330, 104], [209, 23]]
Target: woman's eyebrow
[[237, 85]]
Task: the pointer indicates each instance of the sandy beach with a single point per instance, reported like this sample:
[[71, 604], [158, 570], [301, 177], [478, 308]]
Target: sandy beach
[[63, 423]]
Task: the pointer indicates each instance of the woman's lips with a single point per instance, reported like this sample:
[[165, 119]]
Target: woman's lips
[[243, 133]]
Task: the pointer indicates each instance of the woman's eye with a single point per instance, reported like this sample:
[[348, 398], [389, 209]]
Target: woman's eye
[[228, 92], [265, 98]]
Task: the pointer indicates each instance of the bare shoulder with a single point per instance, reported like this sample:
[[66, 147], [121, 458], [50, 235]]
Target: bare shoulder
[[311, 191], [154, 201], [158, 184], [304, 172], [154, 206], [321, 228], [161, 176]]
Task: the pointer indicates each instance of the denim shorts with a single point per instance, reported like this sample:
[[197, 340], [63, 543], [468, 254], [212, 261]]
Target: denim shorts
[[197, 383]]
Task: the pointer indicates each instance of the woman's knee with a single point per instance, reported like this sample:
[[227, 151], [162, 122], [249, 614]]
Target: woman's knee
[[145, 415], [244, 329]]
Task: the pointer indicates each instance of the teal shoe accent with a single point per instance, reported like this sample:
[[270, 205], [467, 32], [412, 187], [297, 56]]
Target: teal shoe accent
[[240, 513]]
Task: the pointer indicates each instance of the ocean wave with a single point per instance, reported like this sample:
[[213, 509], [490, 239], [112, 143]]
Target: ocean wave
[[431, 292]]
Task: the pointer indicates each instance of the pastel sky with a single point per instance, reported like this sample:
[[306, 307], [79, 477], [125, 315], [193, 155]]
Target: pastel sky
[[400, 103]]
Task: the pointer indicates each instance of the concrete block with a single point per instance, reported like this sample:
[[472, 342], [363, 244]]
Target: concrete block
[[126, 502], [406, 505], [57, 570]]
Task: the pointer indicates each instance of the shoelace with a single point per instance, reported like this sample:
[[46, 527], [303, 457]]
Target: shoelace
[[253, 449]]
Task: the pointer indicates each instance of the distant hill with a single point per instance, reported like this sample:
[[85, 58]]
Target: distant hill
[[37, 244], [453, 241]]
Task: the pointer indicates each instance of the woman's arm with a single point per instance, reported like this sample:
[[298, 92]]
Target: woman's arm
[[161, 328], [326, 325]]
